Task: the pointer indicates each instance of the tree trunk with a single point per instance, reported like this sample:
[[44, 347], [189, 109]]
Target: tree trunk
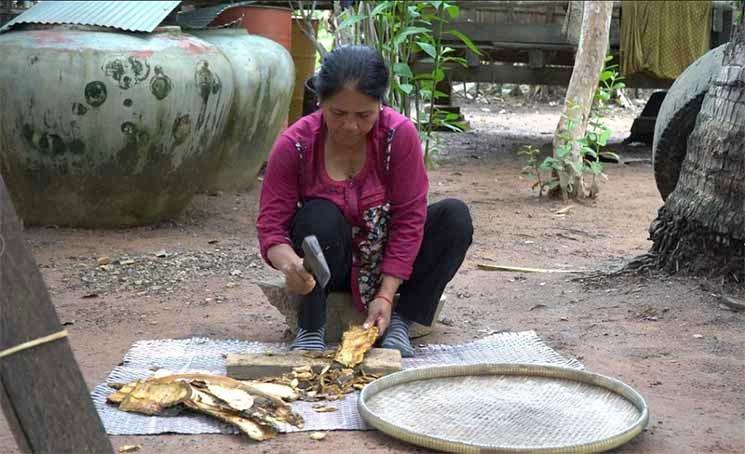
[[341, 37], [588, 63], [701, 227], [571, 29]]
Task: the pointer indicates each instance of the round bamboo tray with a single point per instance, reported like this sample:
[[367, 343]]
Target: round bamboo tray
[[505, 408]]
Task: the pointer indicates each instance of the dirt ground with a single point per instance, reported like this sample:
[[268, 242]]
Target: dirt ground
[[667, 336]]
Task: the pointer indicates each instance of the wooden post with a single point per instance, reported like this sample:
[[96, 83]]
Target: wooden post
[[42, 392]]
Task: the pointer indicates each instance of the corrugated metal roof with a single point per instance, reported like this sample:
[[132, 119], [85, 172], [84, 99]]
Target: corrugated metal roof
[[135, 16], [200, 18]]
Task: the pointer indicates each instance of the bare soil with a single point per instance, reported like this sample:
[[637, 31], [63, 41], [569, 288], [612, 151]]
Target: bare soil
[[667, 336]]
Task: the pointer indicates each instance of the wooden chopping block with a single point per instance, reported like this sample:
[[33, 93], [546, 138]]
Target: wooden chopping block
[[250, 366], [340, 310]]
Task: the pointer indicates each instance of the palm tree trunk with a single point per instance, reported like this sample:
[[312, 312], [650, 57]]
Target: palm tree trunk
[[701, 227]]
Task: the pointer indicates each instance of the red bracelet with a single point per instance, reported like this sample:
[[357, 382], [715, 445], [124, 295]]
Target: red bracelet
[[384, 298]]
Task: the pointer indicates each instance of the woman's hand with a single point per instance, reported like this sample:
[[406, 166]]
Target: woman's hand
[[297, 279], [378, 314]]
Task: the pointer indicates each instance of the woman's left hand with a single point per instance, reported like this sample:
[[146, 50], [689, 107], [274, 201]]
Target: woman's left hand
[[378, 314]]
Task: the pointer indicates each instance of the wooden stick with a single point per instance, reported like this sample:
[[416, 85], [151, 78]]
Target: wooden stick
[[33, 343], [487, 267]]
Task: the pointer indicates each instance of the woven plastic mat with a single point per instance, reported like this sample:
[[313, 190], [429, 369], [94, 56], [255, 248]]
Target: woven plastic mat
[[208, 355]]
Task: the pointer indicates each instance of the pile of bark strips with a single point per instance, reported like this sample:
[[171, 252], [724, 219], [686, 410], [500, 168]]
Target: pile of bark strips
[[256, 408]]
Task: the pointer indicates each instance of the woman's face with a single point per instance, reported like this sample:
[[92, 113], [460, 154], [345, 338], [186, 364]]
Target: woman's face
[[350, 115]]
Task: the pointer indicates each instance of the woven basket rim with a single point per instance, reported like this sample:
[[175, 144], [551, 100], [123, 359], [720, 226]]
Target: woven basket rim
[[513, 369]]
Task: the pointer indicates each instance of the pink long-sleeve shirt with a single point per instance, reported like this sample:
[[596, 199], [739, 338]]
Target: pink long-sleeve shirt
[[386, 202]]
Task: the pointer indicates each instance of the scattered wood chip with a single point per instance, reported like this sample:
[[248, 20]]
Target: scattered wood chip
[[161, 253], [324, 409], [698, 336], [104, 260], [537, 306], [130, 448], [564, 210], [126, 262], [318, 436], [90, 295]]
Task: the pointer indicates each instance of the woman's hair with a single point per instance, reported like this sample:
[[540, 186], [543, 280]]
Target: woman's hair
[[360, 67]]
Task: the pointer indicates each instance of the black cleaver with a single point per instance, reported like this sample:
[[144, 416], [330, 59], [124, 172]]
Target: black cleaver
[[314, 261]]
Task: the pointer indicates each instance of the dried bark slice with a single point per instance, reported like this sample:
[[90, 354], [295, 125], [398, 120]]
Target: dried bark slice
[[283, 392], [355, 342], [253, 410], [237, 399], [118, 396], [271, 409], [153, 398], [205, 403]]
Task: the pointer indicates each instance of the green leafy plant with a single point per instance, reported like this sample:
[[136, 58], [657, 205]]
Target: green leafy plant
[[401, 31], [591, 146], [533, 169]]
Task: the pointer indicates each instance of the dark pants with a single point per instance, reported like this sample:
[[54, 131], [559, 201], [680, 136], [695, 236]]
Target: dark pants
[[448, 233]]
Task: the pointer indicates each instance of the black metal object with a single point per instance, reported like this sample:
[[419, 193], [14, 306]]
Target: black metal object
[[310, 97], [642, 130]]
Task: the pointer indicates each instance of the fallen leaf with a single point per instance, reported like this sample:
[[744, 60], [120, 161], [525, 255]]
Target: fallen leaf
[[90, 295], [130, 448], [537, 306], [161, 253], [318, 436]]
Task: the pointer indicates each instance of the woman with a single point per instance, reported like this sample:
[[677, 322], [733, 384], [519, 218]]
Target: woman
[[353, 174]]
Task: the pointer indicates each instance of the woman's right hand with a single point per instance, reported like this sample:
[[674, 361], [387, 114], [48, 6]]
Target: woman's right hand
[[297, 279]]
